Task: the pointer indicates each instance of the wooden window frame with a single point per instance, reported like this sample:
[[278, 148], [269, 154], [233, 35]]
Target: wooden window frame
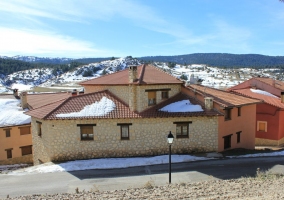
[[182, 125], [227, 144], [88, 137], [228, 114], [239, 111], [152, 101], [258, 126], [164, 94], [239, 136], [121, 130], [9, 153], [23, 127], [27, 150], [38, 128], [7, 132]]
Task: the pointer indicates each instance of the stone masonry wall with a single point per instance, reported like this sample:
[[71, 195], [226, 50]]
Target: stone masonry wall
[[267, 142], [27, 159], [60, 140]]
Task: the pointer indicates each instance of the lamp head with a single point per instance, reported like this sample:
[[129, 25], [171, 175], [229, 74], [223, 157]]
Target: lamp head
[[170, 138]]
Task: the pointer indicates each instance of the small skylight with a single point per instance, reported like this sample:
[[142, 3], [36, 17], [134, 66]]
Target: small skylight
[[182, 106]]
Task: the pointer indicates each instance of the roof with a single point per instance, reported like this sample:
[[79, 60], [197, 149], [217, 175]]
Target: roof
[[146, 74], [223, 98], [38, 100], [121, 110], [271, 82], [274, 101]]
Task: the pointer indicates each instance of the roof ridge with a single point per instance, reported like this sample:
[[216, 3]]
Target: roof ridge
[[141, 76]]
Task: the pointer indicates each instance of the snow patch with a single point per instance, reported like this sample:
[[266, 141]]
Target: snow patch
[[101, 108], [12, 114], [263, 92], [182, 106]]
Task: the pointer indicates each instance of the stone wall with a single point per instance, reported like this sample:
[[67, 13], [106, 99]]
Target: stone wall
[[267, 142], [60, 140], [27, 159]]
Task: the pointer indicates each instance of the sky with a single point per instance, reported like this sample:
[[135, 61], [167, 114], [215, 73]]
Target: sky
[[119, 28]]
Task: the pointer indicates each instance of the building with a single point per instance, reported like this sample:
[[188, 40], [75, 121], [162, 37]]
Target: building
[[130, 113], [270, 113], [236, 124], [15, 132]]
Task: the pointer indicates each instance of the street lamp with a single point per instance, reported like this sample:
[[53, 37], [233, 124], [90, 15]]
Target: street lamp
[[170, 141]]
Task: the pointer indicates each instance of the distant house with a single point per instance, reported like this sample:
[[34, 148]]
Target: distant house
[[130, 113], [270, 113], [15, 132]]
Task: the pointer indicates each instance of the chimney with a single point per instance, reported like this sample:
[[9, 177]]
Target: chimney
[[24, 100], [15, 93], [132, 73], [81, 92], [74, 92], [208, 103], [282, 97]]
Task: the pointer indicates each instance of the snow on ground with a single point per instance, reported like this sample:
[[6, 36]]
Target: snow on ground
[[182, 106], [12, 114], [21, 87], [263, 92], [101, 108], [277, 153], [106, 163]]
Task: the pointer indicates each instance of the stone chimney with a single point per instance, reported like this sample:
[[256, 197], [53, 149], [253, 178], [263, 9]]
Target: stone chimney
[[282, 97], [132, 73], [24, 100], [74, 92], [15, 93], [208, 103]]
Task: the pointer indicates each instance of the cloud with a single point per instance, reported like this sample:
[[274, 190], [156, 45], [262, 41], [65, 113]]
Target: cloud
[[41, 43]]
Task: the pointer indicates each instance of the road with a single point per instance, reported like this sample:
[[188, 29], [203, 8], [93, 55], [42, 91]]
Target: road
[[111, 179]]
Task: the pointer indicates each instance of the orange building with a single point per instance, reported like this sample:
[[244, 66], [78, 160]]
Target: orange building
[[15, 132], [270, 113], [236, 124]]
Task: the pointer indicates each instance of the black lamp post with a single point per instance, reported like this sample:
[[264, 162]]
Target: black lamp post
[[170, 141]]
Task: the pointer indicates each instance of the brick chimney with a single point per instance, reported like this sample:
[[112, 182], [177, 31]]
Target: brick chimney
[[74, 92], [282, 97], [24, 100], [208, 103], [132, 73]]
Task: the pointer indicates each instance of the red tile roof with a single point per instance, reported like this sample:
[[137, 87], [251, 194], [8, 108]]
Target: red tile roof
[[146, 74], [267, 99], [39, 100], [77, 103], [223, 98], [272, 82]]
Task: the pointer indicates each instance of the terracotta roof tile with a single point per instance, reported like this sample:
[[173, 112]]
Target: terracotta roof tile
[[39, 100], [272, 82], [267, 99], [222, 97], [147, 74], [77, 103]]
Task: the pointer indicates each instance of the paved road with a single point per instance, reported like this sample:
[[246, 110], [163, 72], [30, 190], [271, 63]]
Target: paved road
[[111, 179]]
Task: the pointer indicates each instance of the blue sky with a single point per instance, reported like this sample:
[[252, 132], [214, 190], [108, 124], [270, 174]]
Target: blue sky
[[104, 28]]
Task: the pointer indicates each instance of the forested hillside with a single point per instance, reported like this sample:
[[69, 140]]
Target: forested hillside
[[222, 60], [8, 66]]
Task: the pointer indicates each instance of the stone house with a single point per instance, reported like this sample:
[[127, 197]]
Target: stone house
[[128, 113], [269, 127]]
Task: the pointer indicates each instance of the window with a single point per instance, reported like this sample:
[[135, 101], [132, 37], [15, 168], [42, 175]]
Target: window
[[9, 153], [227, 114], [124, 131], [227, 141], [26, 150], [8, 133], [151, 98], [262, 126], [87, 132], [239, 111], [165, 94], [182, 129], [25, 130], [239, 136], [38, 127]]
